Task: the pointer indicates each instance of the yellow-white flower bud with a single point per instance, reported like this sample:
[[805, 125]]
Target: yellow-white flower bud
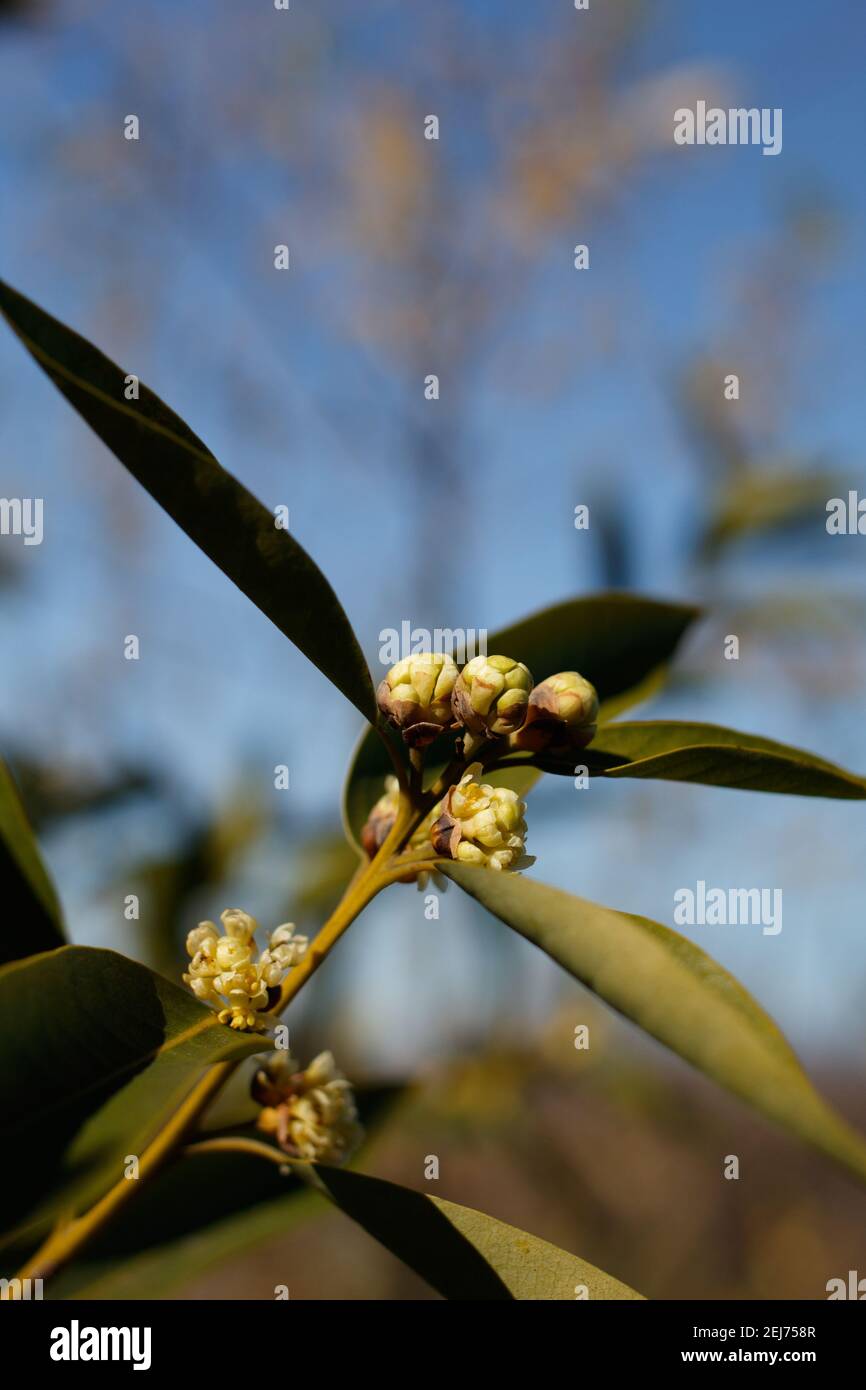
[[239, 925], [562, 714], [284, 950], [198, 938], [491, 695], [415, 696]]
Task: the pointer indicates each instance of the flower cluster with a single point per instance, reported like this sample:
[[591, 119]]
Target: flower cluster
[[225, 970], [493, 697], [311, 1113], [493, 700], [483, 825]]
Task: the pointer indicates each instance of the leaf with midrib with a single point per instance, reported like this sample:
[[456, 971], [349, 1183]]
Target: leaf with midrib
[[675, 992], [216, 511], [32, 918], [679, 751], [95, 1052], [463, 1253]]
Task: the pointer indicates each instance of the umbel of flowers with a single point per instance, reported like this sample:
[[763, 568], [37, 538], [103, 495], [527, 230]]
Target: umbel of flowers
[[227, 970], [311, 1114], [491, 704]]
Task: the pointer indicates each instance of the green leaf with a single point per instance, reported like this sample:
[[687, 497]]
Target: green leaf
[[462, 1253], [32, 914], [216, 511], [160, 1271], [619, 642], [95, 1052], [685, 752], [674, 992], [193, 1216]]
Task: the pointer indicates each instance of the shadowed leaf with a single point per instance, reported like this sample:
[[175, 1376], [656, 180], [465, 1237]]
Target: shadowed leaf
[[32, 913], [95, 1052], [216, 511], [462, 1253]]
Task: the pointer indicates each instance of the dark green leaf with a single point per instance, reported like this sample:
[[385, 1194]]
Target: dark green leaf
[[95, 1052], [462, 1253], [216, 511], [198, 1212], [31, 910], [619, 642], [195, 1215], [718, 757], [676, 993]]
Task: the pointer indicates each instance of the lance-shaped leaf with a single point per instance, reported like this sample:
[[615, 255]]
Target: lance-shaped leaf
[[685, 752], [216, 511], [619, 642], [32, 918], [676, 993], [95, 1052], [463, 1253]]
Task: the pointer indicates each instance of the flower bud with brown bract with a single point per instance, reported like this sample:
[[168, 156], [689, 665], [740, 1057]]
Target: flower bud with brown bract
[[415, 696], [480, 824], [378, 825], [491, 695], [562, 714]]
